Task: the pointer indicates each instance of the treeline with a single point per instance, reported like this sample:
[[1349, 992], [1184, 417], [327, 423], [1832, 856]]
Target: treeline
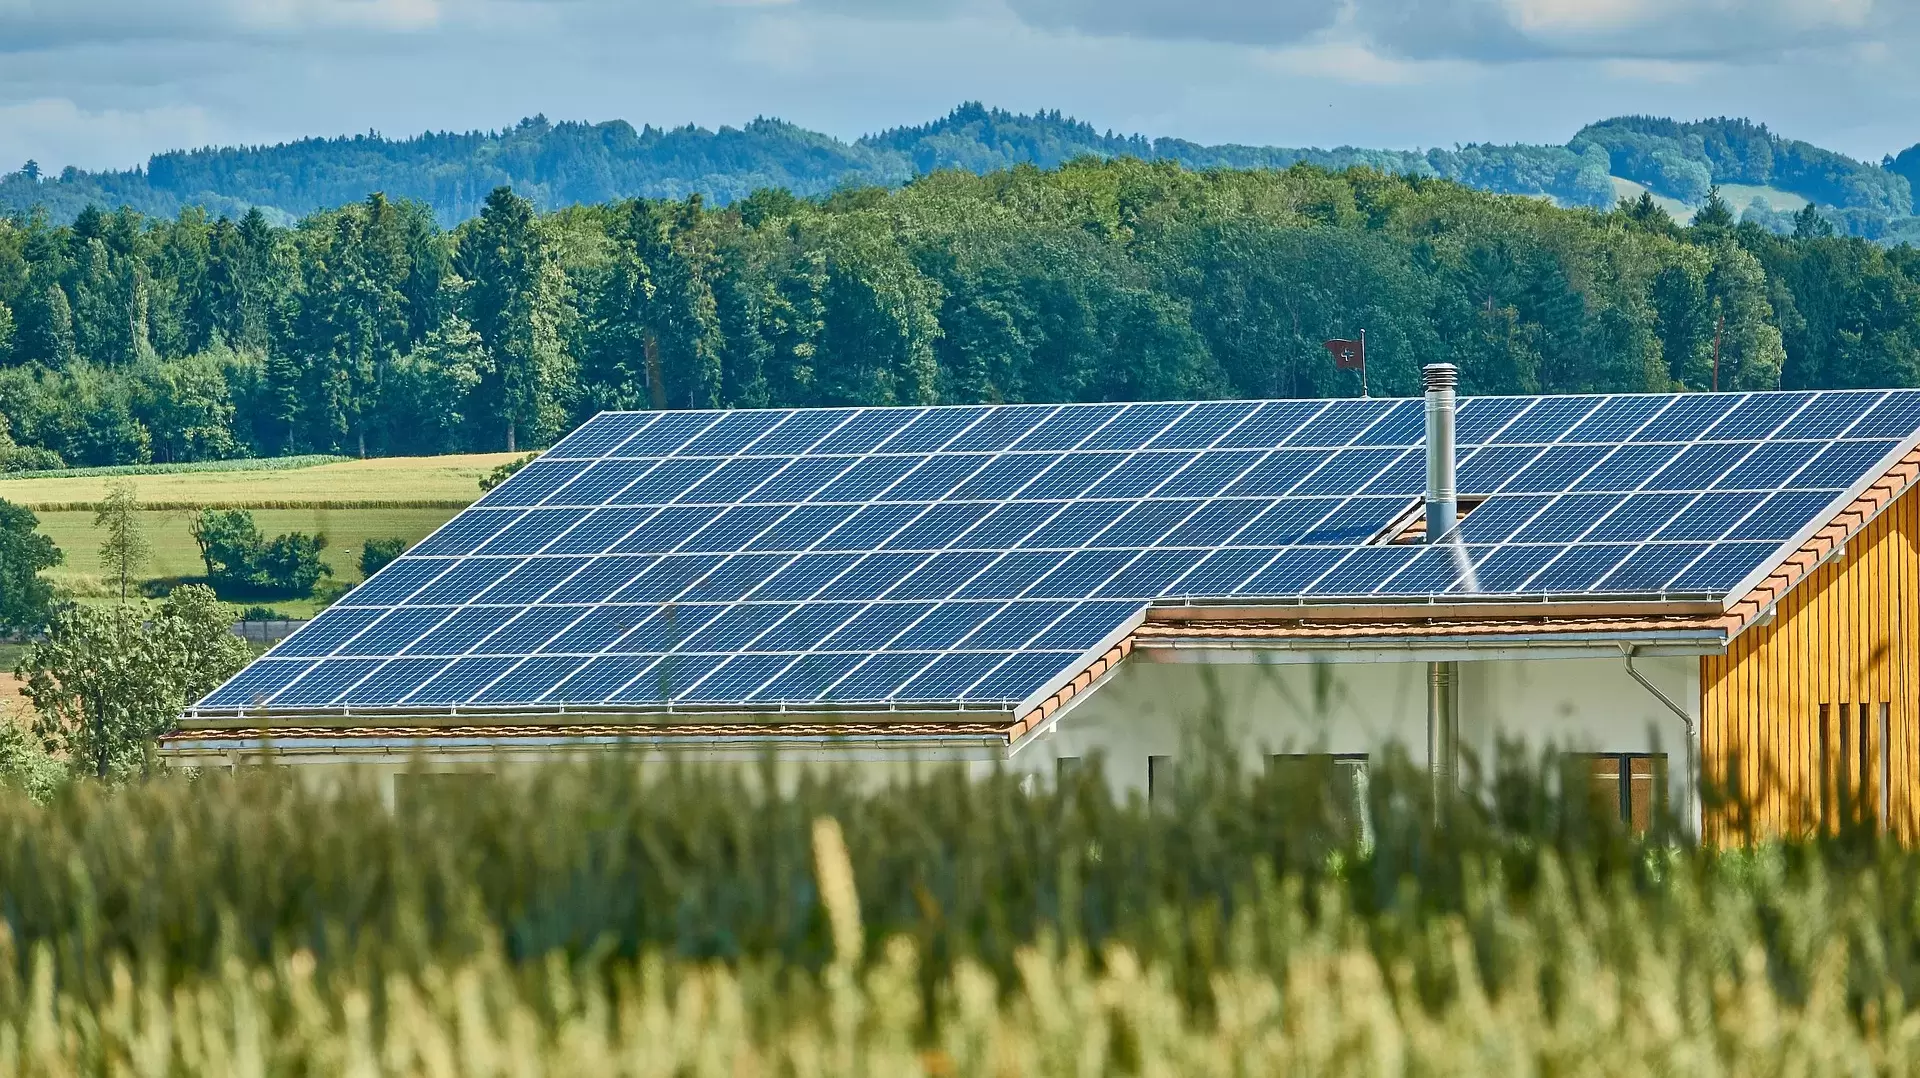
[[568, 163], [1685, 160], [369, 329]]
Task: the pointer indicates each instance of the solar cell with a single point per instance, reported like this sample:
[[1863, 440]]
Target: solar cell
[[1015, 625], [799, 432], [861, 555], [1548, 420], [932, 430], [946, 625], [1222, 573], [531, 679], [602, 434], [328, 631], [1213, 523], [1081, 574], [460, 682], [1557, 468], [802, 528], [1364, 570], [393, 632], [732, 434], [1067, 428], [543, 477], [598, 679], [1202, 427], [1758, 416], [866, 430], [1617, 419], [1841, 463], [463, 533], [1011, 574], [808, 677], [1649, 568], [949, 676], [1482, 418], [530, 581], [1149, 574], [1271, 424], [392, 683], [1293, 571]]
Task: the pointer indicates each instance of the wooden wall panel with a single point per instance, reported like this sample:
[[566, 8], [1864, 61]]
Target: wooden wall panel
[[1847, 634]]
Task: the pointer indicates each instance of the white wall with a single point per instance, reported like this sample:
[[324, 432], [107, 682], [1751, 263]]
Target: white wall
[[1146, 708]]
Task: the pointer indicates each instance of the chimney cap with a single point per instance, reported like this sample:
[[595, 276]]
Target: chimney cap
[[1441, 375]]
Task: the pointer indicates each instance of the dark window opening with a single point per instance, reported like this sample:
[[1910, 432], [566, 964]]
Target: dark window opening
[[1629, 786], [1410, 527], [1855, 766], [1340, 778]]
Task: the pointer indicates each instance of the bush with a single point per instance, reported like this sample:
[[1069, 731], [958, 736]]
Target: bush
[[240, 562], [505, 472], [376, 553]]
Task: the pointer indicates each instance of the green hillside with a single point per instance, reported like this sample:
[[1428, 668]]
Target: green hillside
[[576, 163]]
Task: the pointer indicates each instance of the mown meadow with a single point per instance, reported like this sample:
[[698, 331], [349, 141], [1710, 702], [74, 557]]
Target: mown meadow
[[348, 501], [579, 920]]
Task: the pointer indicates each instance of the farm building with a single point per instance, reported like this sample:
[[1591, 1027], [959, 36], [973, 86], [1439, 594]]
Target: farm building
[[1641, 581]]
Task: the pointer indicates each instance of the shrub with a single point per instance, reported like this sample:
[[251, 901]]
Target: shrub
[[505, 472], [376, 553], [240, 562], [26, 598]]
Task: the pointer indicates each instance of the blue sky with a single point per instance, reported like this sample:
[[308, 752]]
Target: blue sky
[[104, 83]]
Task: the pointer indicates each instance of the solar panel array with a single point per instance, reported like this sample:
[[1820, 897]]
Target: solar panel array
[[972, 555]]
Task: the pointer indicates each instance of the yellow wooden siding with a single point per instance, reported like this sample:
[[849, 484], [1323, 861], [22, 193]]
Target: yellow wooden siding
[[1849, 635]]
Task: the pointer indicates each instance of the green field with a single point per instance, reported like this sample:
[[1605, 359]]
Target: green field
[[348, 502], [1738, 196], [403, 482], [176, 557]]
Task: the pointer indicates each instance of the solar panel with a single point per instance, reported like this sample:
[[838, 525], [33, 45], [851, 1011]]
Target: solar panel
[[857, 557]]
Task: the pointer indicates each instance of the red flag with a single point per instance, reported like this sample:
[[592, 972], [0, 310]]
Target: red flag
[[1349, 355]]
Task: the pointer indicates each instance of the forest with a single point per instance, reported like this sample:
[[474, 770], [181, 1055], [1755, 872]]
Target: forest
[[369, 329], [559, 164]]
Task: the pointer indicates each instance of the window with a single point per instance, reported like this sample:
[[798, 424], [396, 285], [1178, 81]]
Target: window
[[1066, 769], [1855, 767], [1341, 777], [1628, 785], [1159, 778], [1410, 527]]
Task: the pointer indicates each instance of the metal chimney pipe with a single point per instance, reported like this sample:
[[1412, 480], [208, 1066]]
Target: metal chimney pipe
[[1443, 506], [1442, 511]]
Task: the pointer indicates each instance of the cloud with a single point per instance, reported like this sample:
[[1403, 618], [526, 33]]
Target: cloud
[[1730, 30], [58, 132], [39, 24], [1239, 22]]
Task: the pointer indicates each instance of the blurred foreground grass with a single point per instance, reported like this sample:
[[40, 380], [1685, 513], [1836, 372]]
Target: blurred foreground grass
[[580, 921]]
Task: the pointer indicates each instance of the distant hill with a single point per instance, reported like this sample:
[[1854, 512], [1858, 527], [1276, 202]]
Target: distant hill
[[558, 164]]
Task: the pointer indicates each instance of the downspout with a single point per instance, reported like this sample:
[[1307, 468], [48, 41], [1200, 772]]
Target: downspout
[[1442, 510], [1686, 723]]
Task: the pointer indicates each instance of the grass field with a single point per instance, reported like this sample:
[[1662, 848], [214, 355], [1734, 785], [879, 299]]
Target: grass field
[[175, 556], [349, 502], [706, 922], [417, 482]]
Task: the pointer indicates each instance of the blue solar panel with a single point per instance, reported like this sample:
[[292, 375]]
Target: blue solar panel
[[840, 557]]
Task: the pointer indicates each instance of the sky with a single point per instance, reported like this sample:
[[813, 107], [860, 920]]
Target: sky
[[104, 83]]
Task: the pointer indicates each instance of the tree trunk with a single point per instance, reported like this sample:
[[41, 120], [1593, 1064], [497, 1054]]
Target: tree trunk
[[656, 381], [363, 445], [510, 447]]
